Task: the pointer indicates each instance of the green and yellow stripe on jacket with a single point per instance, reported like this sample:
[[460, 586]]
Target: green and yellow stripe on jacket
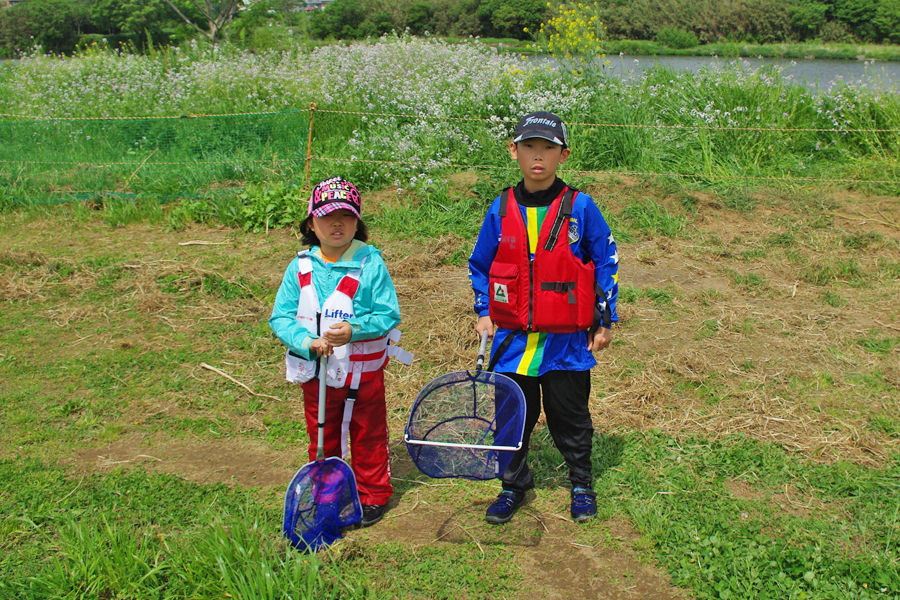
[[533, 354]]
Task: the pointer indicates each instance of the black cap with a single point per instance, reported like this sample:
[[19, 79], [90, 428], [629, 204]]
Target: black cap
[[544, 125]]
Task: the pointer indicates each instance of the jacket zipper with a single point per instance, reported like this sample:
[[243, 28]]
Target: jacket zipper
[[530, 292]]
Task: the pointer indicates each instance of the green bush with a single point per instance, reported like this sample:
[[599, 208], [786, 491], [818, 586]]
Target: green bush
[[509, 18], [51, 24], [836, 32], [272, 206], [677, 39], [339, 20]]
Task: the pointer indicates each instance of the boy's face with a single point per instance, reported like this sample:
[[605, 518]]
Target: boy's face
[[538, 160]]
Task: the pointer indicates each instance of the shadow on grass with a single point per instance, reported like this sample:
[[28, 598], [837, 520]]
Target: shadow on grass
[[549, 468]]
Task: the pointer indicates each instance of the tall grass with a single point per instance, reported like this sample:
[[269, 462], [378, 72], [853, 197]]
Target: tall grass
[[397, 110], [133, 535]]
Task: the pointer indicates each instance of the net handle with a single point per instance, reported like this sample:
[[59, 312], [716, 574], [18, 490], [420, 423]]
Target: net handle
[[481, 350], [323, 367]]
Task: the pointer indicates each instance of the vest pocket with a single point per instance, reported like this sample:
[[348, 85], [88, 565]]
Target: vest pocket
[[564, 300], [298, 370], [503, 294]]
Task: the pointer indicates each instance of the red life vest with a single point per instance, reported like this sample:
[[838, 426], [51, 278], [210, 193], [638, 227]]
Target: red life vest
[[554, 291]]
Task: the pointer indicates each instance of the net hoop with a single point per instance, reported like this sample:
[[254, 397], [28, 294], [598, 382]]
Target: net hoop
[[321, 500], [466, 425]]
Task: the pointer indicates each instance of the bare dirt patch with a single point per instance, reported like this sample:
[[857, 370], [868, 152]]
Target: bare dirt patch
[[228, 461], [542, 546]]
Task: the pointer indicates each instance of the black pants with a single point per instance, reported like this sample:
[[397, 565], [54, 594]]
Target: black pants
[[565, 400]]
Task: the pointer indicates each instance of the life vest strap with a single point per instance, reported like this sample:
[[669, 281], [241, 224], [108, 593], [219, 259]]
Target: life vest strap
[[345, 423], [560, 286], [404, 356], [502, 209], [562, 215]]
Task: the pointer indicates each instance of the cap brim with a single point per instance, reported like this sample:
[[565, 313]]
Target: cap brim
[[531, 136], [333, 206]]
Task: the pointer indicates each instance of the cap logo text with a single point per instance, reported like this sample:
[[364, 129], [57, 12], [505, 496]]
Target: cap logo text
[[540, 121]]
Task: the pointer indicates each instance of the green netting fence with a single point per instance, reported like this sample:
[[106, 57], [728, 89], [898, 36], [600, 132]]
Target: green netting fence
[[164, 157], [194, 156]]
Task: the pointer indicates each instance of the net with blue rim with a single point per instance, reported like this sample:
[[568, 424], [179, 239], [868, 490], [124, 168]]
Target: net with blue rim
[[466, 425], [322, 497], [320, 501]]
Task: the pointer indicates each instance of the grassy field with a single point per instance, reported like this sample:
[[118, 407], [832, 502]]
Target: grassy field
[[746, 415]]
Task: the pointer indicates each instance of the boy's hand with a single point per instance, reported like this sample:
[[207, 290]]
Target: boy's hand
[[601, 339], [339, 334], [321, 347], [484, 323]]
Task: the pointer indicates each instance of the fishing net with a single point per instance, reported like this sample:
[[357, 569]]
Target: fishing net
[[320, 501], [466, 425]]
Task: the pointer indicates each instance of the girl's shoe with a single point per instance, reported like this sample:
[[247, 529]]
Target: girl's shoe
[[584, 504], [371, 514]]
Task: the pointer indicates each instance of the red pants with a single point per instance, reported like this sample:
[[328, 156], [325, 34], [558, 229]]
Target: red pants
[[369, 436]]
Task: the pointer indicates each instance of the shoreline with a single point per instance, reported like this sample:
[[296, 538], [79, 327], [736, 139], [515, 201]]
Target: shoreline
[[724, 50]]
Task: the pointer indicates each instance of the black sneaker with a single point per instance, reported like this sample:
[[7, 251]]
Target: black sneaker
[[584, 504], [371, 514], [503, 508]]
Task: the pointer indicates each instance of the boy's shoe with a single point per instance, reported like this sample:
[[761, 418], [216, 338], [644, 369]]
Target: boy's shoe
[[371, 514], [503, 508], [584, 504]]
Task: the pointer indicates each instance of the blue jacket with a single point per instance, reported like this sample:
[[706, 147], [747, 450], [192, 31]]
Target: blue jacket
[[536, 353], [376, 310]]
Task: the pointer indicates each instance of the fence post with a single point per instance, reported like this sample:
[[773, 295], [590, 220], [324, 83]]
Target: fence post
[[312, 112]]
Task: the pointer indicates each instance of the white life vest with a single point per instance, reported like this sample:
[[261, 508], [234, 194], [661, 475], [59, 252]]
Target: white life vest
[[356, 359]]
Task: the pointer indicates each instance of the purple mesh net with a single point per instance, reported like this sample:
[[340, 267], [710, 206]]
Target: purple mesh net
[[320, 501], [466, 425]]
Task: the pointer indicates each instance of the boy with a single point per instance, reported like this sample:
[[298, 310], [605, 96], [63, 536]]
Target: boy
[[545, 272]]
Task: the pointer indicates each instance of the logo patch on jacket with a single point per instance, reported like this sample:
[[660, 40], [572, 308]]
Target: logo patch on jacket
[[573, 231], [336, 313], [500, 293]]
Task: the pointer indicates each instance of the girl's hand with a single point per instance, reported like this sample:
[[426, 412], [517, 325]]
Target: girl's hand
[[339, 334], [600, 340], [321, 347]]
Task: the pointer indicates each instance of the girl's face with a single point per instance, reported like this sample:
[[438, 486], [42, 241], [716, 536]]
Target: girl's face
[[335, 232]]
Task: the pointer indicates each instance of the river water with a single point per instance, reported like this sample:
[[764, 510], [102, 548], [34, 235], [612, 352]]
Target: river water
[[815, 74]]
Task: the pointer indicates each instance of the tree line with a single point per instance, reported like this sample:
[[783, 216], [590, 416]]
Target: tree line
[[60, 26], [753, 21]]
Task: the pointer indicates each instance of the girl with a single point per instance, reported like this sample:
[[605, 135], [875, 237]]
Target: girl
[[337, 300]]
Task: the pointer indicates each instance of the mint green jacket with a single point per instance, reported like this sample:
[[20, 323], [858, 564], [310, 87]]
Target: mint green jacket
[[376, 310]]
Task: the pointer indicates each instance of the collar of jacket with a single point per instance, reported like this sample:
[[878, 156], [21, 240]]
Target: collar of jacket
[[352, 257], [540, 198]]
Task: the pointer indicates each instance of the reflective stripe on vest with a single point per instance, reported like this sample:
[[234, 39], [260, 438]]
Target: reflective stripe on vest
[[355, 357]]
